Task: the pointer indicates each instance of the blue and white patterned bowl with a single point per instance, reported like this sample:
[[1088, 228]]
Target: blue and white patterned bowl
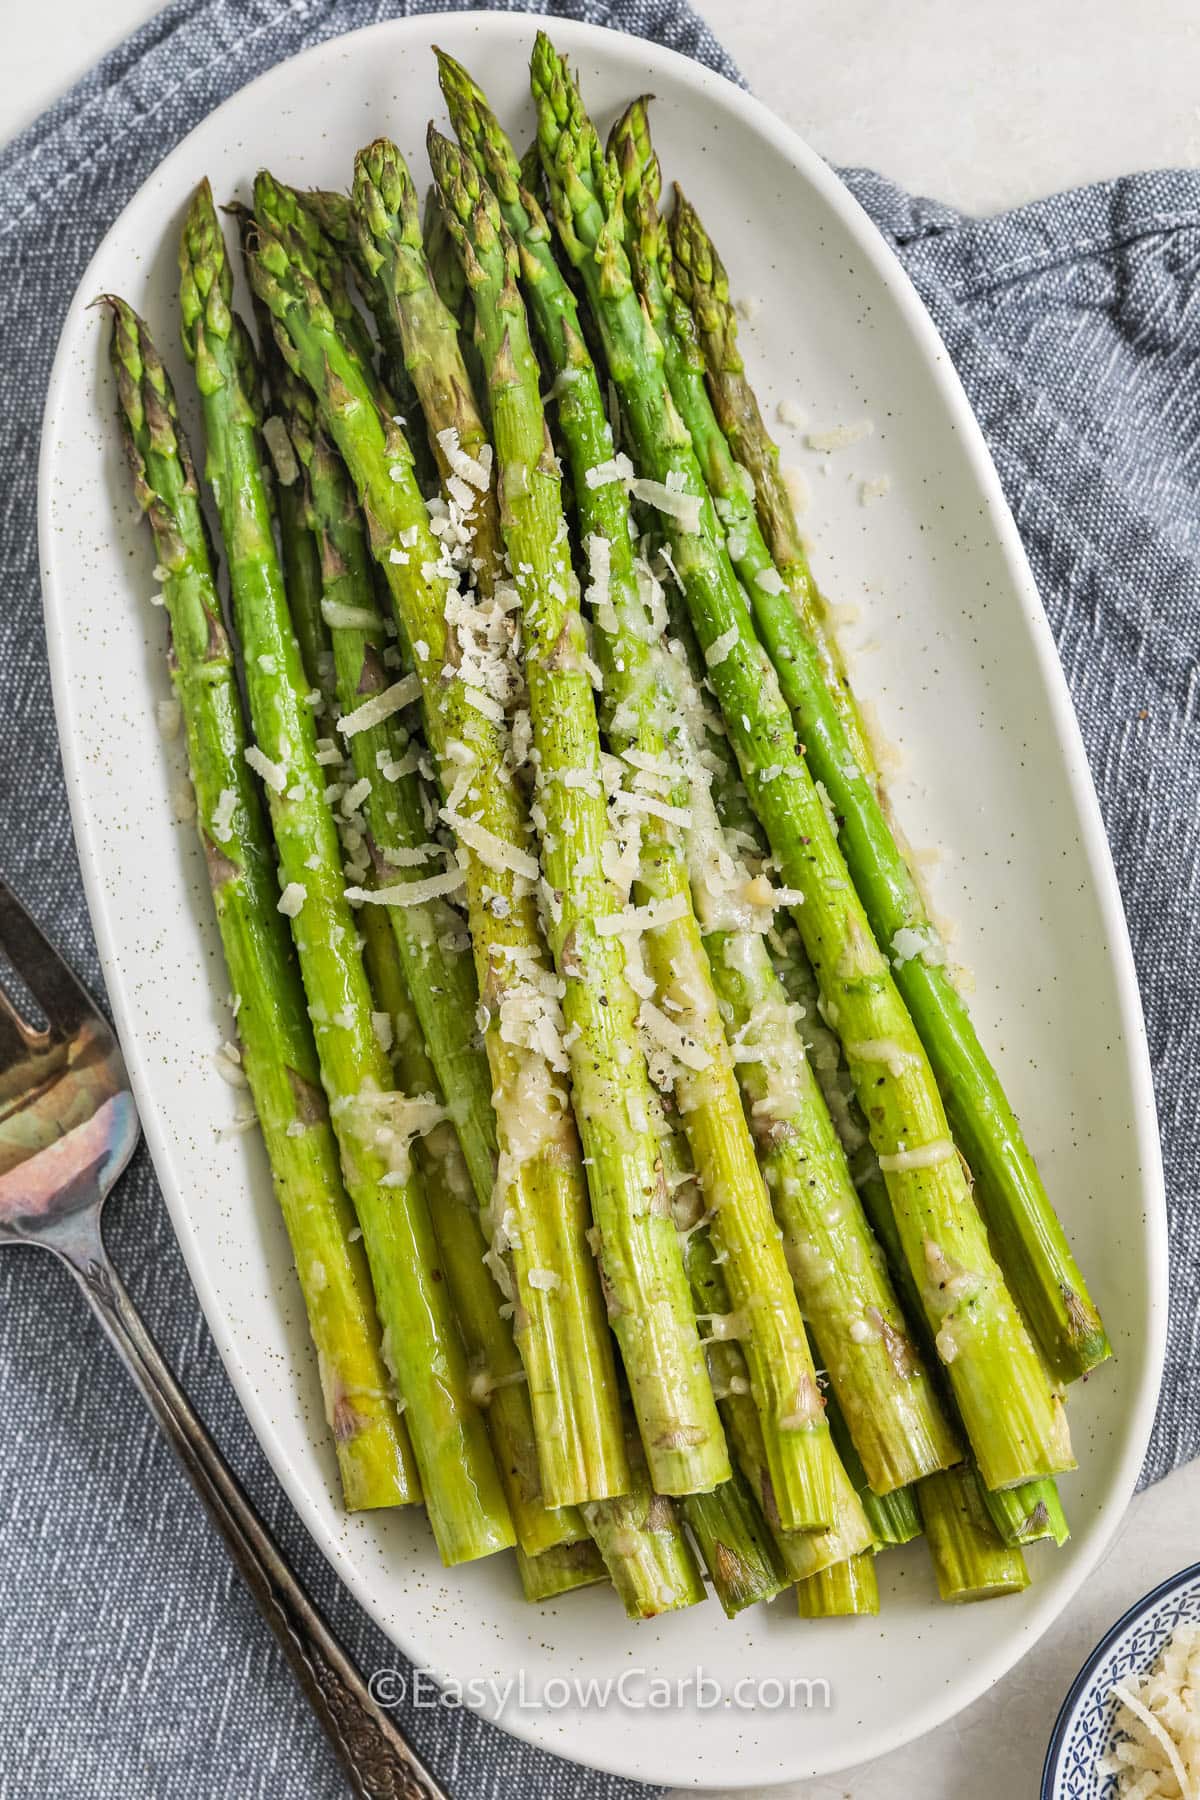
[[1086, 1729]]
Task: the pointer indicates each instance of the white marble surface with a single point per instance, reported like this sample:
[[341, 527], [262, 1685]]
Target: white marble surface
[[985, 106]]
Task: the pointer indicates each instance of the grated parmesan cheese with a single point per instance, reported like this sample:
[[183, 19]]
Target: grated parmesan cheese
[[380, 706], [685, 508], [720, 647], [918, 940], [617, 468], [797, 488], [880, 1050], [292, 899], [407, 893], [494, 852], [633, 920], [169, 715], [839, 437], [222, 815], [273, 773], [1158, 1717], [348, 618], [925, 1156], [477, 471], [664, 1033]]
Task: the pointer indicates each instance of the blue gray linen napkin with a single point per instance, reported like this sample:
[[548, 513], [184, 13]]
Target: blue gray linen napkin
[[131, 1663]]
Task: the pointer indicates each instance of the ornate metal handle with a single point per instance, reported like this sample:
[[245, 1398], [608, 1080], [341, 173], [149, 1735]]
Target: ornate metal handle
[[380, 1764]]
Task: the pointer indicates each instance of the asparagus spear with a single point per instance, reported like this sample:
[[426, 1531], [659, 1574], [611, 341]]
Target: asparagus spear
[[277, 1052], [800, 1553], [538, 1219], [735, 1545], [632, 706], [390, 251], [334, 215], [373, 1123], [1021, 1514], [700, 280], [643, 1270], [1030, 1242], [560, 1570], [1030, 1514], [648, 1557], [393, 813], [969, 1559], [893, 1517], [497, 1378], [843, 1590], [1015, 1421], [451, 284]]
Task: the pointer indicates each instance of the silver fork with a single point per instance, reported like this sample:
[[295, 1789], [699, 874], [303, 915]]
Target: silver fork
[[68, 1127]]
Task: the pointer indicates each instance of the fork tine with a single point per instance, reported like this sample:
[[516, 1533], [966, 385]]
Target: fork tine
[[65, 1001]]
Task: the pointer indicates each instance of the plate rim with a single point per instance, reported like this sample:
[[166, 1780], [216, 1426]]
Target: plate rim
[[710, 87], [1182, 1578]]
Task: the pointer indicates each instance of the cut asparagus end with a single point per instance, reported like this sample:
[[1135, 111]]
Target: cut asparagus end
[[734, 1544], [1030, 1514], [645, 1548], [969, 1559], [842, 1591], [560, 1570], [893, 1517]]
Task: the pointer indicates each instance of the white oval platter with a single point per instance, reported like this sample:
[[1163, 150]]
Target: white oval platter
[[954, 653]]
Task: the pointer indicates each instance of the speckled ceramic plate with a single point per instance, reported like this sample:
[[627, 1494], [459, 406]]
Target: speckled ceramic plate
[[1086, 1728], [955, 654]]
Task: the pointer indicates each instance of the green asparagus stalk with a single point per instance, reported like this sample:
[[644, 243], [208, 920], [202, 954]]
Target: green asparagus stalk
[[1030, 1514], [643, 1270], [451, 284], [390, 251], [800, 1553], [969, 1559], [1030, 1242], [705, 1081], [497, 1378], [392, 814], [1024, 1514], [277, 1053], [735, 1545], [1015, 1421], [843, 1590], [893, 1517], [539, 1217], [334, 216], [293, 500], [645, 1549], [560, 1571], [372, 1122], [701, 282]]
